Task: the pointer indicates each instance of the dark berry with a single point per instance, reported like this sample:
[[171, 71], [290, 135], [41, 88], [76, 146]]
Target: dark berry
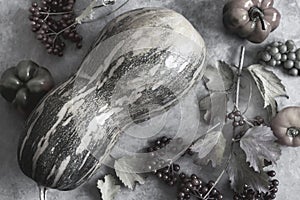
[[241, 122], [189, 185], [236, 197], [272, 173], [182, 175], [204, 190], [186, 190], [235, 124], [237, 113], [196, 182], [181, 194], [274, 190], [211, 184], [231, 116], [176, 167], [159, 175], [194, 176], [165, 177], [171, 183], [164, 139], [272, 196], [275, 182], [150, 149], [166, 170]]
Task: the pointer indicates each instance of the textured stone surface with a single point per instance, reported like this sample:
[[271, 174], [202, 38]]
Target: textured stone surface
[[17, 42]]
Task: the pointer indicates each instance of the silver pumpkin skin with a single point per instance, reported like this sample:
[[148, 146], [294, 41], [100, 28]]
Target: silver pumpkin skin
[[144, 61]]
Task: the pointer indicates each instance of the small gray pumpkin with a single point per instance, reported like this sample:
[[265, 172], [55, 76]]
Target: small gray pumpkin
[[142, 62]]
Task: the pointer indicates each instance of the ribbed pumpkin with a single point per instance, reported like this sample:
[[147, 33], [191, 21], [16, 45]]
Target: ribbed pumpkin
[[286, 126], [143, 58]]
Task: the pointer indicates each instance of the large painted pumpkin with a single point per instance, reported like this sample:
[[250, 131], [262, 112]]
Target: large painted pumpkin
[[142, 62]]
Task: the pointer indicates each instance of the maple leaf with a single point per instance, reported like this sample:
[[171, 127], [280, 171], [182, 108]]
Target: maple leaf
[[269, 86], [240, 173], [108, 187], [259, 144], [215, 107], [126, 174], [220, 77], [210, 148]]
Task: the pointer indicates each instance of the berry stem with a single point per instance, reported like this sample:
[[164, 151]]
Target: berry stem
[[56, 34], [248, 122], [58, 13], [196, 194], [61, 31], [48, 15]]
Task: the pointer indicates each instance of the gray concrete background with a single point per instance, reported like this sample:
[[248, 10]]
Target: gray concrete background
[[17, 43]]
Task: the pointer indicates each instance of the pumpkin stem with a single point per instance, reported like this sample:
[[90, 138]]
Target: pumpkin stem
[[43, 192], [256, 13], [293, 132]]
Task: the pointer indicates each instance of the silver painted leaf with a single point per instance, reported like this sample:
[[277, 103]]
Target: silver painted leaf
[[108, 187], [240, 173], [220, 77], [205, 105], [97, 9], [210, 148], [269, 86], [259, 144], [126, 174], [215, 107]]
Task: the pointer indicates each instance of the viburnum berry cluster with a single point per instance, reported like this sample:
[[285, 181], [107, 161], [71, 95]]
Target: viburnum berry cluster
[[237, 117], [53, 21], [250, 194], [194, 186], [258, 120], [188, 186]]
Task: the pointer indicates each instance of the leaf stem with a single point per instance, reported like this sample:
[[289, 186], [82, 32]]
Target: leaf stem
[[61, 31], [241, 63]]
